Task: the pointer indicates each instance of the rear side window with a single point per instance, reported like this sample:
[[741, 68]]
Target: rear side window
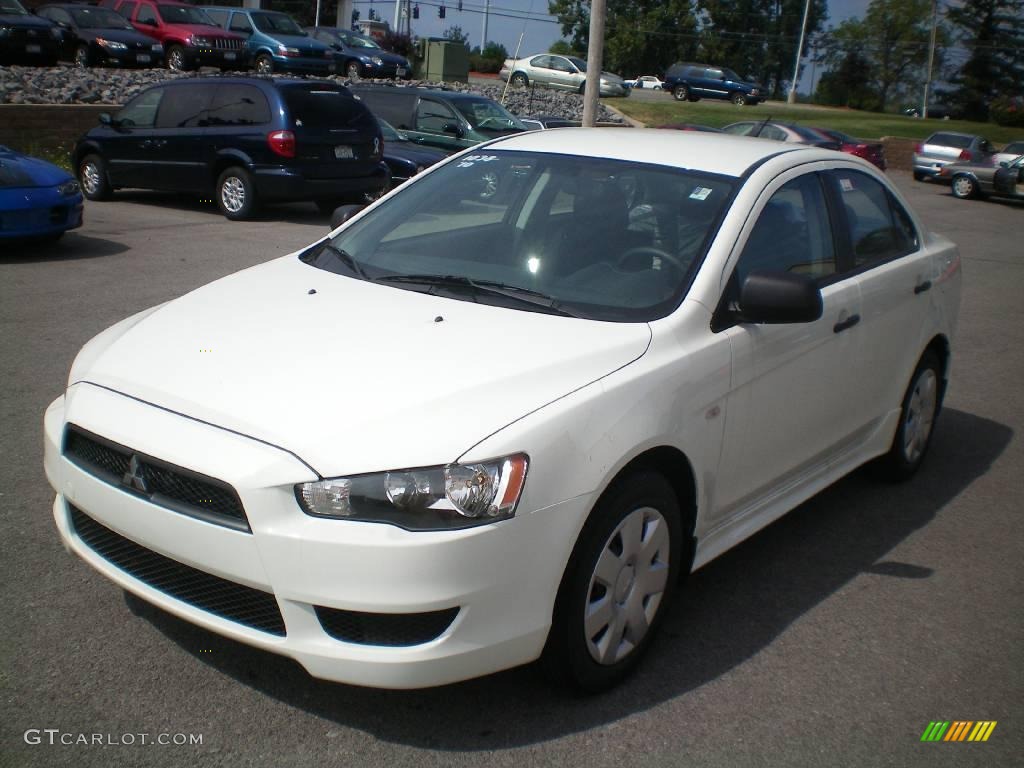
[[950, 140], [140, 112], [237, 105], [183, 106], [879, 227], [319, 108], [125, 9]]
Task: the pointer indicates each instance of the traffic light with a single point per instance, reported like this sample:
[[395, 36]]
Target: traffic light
[[440, 12], [416, 11], [373, 15]]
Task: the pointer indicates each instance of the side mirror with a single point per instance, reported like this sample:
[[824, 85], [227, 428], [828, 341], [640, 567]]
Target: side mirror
[[1004, 164], [343, 213], [779, 297], [106, 119], [453, 128]]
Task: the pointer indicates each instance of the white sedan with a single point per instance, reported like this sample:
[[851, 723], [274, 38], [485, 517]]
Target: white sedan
[[501, 412], [646, 81]]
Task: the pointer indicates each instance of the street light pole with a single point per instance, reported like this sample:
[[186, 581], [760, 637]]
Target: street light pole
[[799, 54], [487, 13], [931, 59], [595, 55]]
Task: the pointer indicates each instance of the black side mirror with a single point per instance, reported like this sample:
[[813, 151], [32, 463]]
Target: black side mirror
[[343, 213], [106, 119], [779, 297], [453, 128]]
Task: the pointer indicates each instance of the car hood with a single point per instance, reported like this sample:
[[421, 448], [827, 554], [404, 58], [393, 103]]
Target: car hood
[[407, 150], [18, 170], [18, 20], [302, 42], [349, 375], [126, 36]]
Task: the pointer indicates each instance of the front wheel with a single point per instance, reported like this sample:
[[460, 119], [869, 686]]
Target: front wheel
[[738, 99], [236, 194], [353, 70], [618, 584], [964, 187], [680, 93], [83, 58], [520, 80], [176, 58], [92, 177], [264, 64], [917, 420]]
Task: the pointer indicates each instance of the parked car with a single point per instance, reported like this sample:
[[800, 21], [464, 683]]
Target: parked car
[[564, 73], [457, 435], [770, 129], [243, 140], [93, 36], [646, 81], [190, 38], [274, 42], [358, 56], [691, 127], [985, 178], [945, 147], [403, 157], [547, 122], [38, 200], [1009, 153], [872, 151], [935, 111], [448, 120], [26, 38], [693, 82]]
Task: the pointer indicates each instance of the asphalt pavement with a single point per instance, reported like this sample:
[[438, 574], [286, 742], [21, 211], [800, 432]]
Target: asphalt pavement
[[832, 638]]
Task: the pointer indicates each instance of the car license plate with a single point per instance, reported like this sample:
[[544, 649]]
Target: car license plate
[[400, 71], [343, 152], [142, 58], [33, 49], [229, 56]]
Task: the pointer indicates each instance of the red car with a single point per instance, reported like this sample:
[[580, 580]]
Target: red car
[[873, 152], [190, 37]]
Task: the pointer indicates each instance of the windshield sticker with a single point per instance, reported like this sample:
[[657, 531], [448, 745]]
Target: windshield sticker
[[846, 185], [468, 162], [700, 193]]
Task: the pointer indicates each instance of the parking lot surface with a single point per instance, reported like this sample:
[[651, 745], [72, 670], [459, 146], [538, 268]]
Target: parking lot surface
[[832, 638]]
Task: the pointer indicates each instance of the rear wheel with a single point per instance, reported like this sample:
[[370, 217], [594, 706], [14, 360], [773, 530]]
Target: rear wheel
[[680, 93], [236, 194], [520, 79], [918, 176], [82, 56], [92, 177], [618, 584], [917, 420], [964, 187]]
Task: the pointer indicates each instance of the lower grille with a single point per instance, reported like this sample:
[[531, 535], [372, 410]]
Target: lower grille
[[226, 599], [391, 629], [228, 44]]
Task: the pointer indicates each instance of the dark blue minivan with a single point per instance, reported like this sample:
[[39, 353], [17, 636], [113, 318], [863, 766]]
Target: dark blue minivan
[[243, 140]]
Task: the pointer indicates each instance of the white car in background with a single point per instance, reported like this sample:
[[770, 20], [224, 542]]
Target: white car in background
[[1009, 153], [646, 81], [463, 432]]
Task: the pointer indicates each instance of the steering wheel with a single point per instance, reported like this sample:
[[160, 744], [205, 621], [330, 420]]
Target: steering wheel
[[675, 261], [487, 120]]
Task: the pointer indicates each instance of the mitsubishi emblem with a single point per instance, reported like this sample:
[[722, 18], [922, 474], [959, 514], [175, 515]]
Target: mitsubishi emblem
[[134, 478]]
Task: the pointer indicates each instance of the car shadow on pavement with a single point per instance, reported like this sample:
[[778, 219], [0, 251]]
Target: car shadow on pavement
[[291, 213], [728, 612], [70, 247]]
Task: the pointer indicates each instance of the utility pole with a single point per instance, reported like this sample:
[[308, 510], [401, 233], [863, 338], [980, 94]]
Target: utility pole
[[799, 52], [483, 36], [595, 56], [931, 59]]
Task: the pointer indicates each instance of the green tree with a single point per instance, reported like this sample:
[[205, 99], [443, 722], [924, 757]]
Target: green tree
[[847, 84], [456, 35], [993, 32], [563, 48]]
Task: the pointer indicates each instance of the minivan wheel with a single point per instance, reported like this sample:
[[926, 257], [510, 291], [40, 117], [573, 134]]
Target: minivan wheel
[[236, 194], [964, 187], [739, 99], [520, 80], [92, 177], [82, 57], [680, 93], [176, 58], [618, 584], [917, 420], [264, 64], [353, 70]]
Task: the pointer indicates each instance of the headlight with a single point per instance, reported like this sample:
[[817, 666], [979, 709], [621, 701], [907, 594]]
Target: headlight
[[68, 188], [428, 499], [202, 42], [284, 50], [377, 60], [754, 92], [112, 45]]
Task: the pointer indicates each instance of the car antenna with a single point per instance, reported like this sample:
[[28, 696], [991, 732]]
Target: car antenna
[[762, 125]]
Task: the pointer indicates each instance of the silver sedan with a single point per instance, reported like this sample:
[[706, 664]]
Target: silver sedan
[[567, 73]]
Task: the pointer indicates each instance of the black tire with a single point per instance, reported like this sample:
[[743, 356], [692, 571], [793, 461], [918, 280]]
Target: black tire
[[918, 176], [680, 93], [520, 80], [739, 99], [235, 194], [176, 59], [568, 656], [964, 187], [326, 206], [93, 179], [919, 410], [83, 58], [353, 70], [264, 64]]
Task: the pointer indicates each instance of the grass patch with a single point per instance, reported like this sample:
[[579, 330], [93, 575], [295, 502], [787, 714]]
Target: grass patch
[[58, 153], [868, 125]]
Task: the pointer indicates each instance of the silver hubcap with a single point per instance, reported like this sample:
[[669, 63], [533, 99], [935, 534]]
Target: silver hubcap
[[627, 585], [963, 186], [264, 66], [917, 425], [232, 194], [353, 71], [90, 178], [176, 60]]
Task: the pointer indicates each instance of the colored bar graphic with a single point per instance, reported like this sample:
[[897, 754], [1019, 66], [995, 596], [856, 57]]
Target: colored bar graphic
[[958, 730]]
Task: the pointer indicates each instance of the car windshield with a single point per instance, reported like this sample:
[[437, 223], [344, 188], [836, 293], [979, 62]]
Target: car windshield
[[99, 18], [360, 42], [730, 75], [183, 14], [12, 8], [587, 237], [488, 116], [281, 23], [388, 132]]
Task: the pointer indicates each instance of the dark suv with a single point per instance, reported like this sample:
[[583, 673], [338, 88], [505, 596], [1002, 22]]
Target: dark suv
[[244, 139], [692, 82], [25, 38]]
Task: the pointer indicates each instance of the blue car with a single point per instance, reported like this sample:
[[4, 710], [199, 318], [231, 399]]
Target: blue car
[[37, 199], [274, 42]]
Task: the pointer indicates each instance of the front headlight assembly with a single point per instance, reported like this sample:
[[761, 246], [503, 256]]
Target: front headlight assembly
[[68, 188], [425, 499]]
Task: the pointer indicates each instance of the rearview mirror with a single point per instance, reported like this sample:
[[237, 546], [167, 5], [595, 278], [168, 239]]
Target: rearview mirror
[[343, 213], [779, 297]]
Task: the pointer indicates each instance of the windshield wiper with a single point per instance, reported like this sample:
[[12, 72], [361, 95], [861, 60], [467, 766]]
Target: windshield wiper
[[494, 288], [345, 258]]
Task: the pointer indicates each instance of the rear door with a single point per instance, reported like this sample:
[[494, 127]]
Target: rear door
[[713, 84]]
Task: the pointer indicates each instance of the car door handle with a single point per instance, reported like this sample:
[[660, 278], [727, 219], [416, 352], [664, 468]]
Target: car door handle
[[922, 287], [849, 322]]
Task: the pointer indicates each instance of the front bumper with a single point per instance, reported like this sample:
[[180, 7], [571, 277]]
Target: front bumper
[[284, 184], [303, 65], [235, 58], [128, 58], [38, 213], [502, 578]]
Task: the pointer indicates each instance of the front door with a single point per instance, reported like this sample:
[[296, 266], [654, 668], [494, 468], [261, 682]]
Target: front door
[[127, 146], [437, 125], [180, 144]]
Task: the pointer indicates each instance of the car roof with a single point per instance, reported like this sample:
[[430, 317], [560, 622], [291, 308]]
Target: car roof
[[717, 153], [416, 90]]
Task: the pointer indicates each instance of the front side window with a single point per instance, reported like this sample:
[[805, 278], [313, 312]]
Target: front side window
[[140, 112], [878, 227], [184, 14], [146, 16], [433, 116], [276, 23], [489, 116], [739, 129], [240, 23], [598, 238], [219, 17], [183, 106], [792, 233], [96, 18]]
